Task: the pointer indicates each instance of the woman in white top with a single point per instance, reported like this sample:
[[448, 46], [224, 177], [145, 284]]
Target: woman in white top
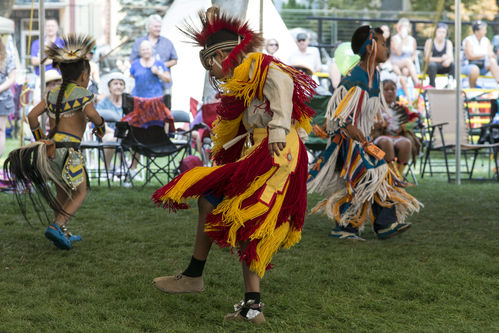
[[403, 51], [479, 54]]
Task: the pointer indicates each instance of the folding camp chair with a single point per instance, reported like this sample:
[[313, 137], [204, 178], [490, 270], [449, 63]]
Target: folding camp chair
[[93, 150], [316, 144], [209, 114], [162, 156], [442, 133]]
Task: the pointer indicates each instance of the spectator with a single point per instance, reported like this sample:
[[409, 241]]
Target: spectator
[[387, 35], [271, 46], [163, 50], [148, 73], [51, 29], [52, 79], [495, 45], [394, 134], [479, 55], [304, 54], [387, 70], [111, 110], [94, 73], [440, 55], [403, 51], [7, 79]]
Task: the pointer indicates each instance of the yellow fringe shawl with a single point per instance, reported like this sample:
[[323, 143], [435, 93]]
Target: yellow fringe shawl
[[242, 87]]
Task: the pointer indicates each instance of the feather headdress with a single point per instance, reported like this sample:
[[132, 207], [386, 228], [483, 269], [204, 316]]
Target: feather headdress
[[76, 47], [220, 31]]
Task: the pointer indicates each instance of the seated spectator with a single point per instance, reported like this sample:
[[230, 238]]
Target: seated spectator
[[305, 54], [495, 46], [403, 51], [148, 73], [386, 69], [52, 79], [387, 35], [110, 108], [440, 55], [394, 133], [305, 69], [478, 54], [271, 47], [386, 72]]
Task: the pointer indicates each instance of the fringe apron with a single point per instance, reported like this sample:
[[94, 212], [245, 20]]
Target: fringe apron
[[264, 198]]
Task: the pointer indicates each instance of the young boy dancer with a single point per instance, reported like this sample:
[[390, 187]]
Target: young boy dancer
[[58, 158], [255, 197], [358, 185]]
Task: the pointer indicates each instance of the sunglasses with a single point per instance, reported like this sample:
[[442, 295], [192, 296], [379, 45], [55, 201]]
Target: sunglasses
[[273, 44], [301, 40]]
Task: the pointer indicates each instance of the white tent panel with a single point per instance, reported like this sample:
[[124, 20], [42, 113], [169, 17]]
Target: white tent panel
[[188, 75], [273, 26]]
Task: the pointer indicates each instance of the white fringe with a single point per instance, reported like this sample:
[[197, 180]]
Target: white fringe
[[371, 110], [326, 177]]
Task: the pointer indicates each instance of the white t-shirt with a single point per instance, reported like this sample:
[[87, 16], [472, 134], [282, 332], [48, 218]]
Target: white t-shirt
[[481, 46], [311, 57]]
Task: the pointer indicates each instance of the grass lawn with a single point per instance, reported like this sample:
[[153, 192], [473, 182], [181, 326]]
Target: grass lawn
[[440, 276]]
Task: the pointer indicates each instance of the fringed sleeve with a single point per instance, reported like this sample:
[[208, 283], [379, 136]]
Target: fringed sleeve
[[353, 106]]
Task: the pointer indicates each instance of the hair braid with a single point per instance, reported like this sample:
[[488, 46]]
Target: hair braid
[[58, 106]]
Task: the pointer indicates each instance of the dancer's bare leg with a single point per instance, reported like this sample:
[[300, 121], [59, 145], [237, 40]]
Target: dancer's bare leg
[[203, 242]]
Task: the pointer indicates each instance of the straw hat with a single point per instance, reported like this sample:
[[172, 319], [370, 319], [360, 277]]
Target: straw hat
[[305, 68], [52, 75]]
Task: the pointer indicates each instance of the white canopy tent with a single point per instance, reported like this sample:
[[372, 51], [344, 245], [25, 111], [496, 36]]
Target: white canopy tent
[[6, 25], [188, 75]]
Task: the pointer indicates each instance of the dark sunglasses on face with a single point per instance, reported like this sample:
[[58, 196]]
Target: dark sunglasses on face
[[301, 40]]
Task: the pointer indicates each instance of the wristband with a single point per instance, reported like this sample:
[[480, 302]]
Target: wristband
[[101, 129], [37, 133]]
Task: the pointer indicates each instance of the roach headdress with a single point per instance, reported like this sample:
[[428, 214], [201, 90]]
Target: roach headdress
[[218, 32], [76, 47]]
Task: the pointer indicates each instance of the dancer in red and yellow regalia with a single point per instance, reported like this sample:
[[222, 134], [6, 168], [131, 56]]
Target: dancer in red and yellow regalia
[[255, 197]]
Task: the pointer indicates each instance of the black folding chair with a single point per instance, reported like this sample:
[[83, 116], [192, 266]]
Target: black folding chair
[[162, 156]]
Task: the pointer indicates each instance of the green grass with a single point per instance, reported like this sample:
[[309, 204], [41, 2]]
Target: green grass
[[440, 276]]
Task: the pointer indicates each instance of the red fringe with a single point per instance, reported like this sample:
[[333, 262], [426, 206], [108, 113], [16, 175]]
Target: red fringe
[[293, 210], [230, 107], [294, 206], [304, 90]]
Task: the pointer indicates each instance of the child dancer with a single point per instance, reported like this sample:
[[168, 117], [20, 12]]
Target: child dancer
[[359, 186], [255, 198], [58, 158]]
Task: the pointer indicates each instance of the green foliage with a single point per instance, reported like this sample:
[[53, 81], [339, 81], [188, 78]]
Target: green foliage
[[136, 13]]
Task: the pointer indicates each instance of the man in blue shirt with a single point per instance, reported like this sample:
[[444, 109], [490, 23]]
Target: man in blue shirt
[[51, 29], [163, 50]]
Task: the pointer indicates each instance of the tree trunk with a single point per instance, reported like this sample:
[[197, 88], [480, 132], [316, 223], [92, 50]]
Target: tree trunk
[[6, 7]]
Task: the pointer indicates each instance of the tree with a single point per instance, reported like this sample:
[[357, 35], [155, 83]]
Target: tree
[[6, 7], [136, 14]]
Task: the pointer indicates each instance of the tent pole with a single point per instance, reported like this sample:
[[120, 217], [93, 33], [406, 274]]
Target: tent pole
[[459, 102], [261, 16], [41, 27]]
